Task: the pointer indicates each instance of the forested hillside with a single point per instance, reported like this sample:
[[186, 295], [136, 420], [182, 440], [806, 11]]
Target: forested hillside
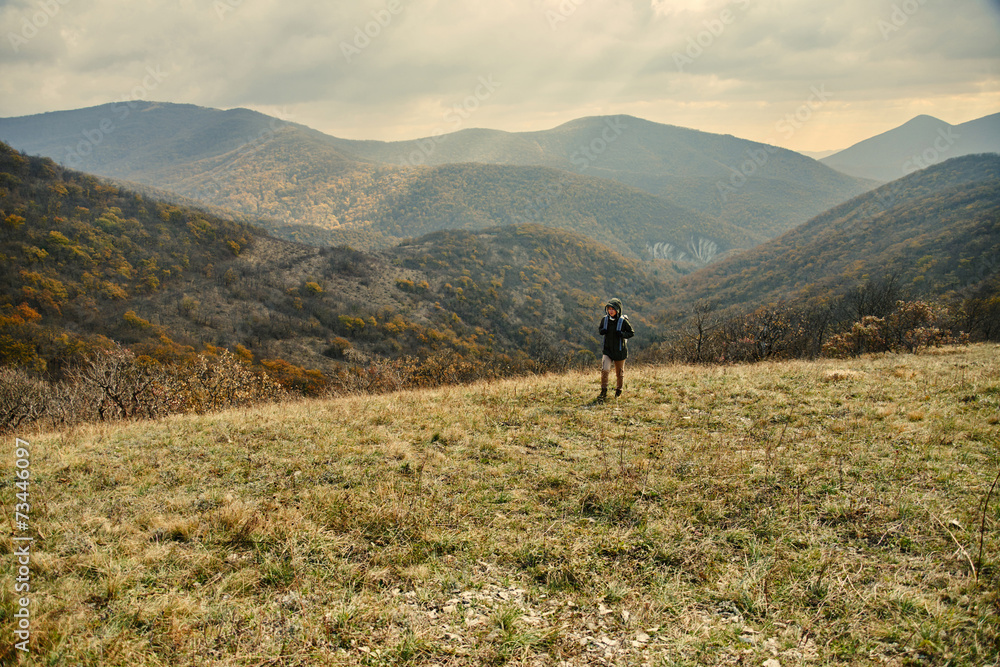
[[473, 196], [938, 230], [77, 253], [913, 264], [86, 265]]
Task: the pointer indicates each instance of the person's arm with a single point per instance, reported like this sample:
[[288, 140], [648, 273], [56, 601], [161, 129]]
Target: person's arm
[[627, 331], [602, 328]]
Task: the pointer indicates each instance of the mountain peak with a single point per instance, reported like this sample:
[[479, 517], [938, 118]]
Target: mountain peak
[[922, 120], [917, 144]]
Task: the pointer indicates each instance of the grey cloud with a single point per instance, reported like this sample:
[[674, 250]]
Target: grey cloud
[[552, 57]]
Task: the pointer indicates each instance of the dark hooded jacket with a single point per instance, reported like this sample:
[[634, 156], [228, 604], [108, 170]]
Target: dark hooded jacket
[[615, 331]]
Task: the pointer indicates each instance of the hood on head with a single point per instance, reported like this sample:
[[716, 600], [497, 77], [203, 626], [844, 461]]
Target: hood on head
[[616, 304]]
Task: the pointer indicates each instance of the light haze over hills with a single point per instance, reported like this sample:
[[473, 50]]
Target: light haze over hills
[[674, 189]]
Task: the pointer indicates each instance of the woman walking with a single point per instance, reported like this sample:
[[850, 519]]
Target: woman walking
[[616, 329]]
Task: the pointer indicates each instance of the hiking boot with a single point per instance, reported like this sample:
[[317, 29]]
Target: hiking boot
[[603, 396], [618, 392]]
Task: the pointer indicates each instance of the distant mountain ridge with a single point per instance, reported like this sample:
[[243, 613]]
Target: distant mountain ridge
[[105, 139], [917, 144], [937, 230], [301, 183], [705, 172], [819, 155], [711, 193]]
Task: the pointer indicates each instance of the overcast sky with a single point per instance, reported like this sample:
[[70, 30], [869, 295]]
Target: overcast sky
[[803, 74]]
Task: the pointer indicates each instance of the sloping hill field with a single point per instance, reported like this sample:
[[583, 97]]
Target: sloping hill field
[[835, 512]]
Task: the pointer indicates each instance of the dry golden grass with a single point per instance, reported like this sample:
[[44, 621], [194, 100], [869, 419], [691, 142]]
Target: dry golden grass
[[809, 513]]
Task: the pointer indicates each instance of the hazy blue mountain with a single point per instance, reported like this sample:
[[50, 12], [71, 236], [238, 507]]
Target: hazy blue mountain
[[819, 155], [305, 186], [208, 155], [752, 185], [143, 140], [917, 144]]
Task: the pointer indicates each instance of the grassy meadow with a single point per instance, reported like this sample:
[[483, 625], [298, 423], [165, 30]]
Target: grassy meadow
[[794, 513]]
